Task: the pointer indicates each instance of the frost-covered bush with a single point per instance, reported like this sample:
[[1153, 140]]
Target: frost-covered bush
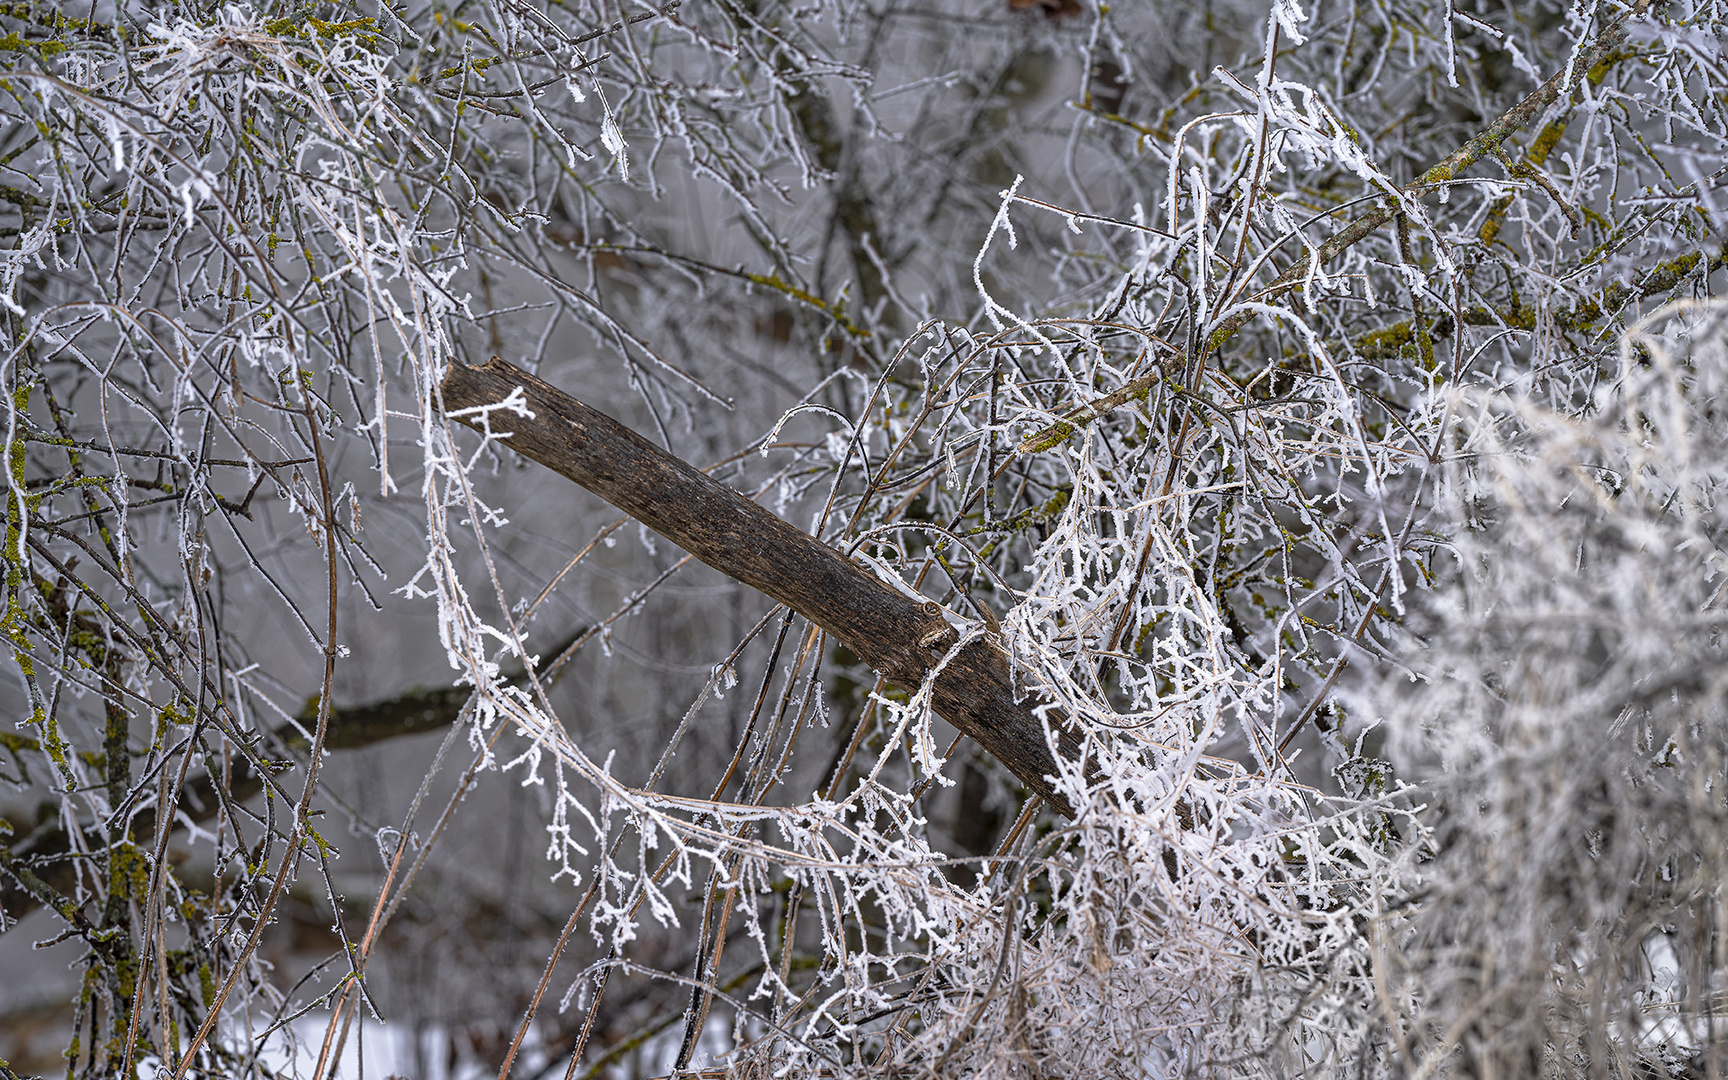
[[1565, 716], [1268, 380]]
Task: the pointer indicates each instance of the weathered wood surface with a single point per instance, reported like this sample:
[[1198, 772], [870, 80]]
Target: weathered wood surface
[[893, 633]]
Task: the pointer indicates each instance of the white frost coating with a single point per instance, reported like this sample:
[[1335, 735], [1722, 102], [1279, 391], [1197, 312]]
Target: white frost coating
[[1290, 17], [515, 403], [26, 252], [192, 193], [613, 140], [111, 127]]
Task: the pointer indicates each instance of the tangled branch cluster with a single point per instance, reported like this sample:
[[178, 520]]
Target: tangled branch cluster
[[1296, 420]]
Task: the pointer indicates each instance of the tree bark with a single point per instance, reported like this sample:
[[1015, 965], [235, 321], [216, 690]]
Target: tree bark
[[901, 638]]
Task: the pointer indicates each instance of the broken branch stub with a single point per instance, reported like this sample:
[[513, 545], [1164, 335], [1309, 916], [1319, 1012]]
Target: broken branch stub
[[896, 635]]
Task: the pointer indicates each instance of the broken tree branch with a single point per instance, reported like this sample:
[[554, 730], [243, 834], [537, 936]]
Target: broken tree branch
[[897, 636]]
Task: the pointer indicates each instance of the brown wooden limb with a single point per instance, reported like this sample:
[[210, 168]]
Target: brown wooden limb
[[896, 635]]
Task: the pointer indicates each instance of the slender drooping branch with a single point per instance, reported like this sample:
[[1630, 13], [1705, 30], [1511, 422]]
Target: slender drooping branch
[[901, 638]]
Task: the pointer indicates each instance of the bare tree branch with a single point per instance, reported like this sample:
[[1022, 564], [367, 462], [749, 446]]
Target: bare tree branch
[[900, 638]]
